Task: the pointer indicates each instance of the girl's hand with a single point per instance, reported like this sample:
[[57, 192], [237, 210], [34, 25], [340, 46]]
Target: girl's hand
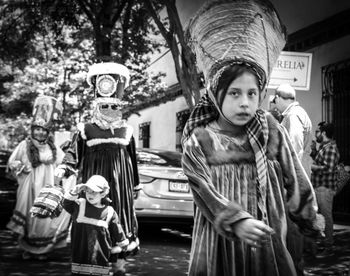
[[252, 231]]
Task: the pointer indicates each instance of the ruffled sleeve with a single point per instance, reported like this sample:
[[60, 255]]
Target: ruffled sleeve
[[75, 152], [18, 162], [17, 155]]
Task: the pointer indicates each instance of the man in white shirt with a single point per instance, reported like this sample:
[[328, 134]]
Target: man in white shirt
[[297, 123], [299, 127]]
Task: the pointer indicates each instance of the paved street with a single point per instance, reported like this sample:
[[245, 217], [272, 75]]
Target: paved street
[[337, 264], [164, 252]]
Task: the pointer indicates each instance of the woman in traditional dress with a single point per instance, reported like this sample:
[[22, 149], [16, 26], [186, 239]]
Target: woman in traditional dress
[[33, 163], [243, 171], [106, 147]]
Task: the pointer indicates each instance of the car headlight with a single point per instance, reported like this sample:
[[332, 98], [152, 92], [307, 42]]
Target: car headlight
[[144, 179]]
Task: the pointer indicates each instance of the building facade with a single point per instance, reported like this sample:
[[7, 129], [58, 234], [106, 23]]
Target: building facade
[[317, 27]]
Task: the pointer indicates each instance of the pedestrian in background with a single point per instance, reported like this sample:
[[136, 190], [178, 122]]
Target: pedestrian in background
[[33, 163], [299, 127], [237, 157], [276, 114], [296, 121], [96, 230], [324, 179]]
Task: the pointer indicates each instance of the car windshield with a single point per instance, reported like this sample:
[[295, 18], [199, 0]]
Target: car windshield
[[159, 158]]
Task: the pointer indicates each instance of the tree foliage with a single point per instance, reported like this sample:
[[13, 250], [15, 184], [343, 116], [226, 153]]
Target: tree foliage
[[49, 44]]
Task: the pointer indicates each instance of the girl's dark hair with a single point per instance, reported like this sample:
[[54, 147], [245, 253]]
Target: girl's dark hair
[[227, 77]]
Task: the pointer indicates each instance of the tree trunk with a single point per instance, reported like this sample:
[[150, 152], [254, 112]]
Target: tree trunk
[[103, 42], [185, 67]]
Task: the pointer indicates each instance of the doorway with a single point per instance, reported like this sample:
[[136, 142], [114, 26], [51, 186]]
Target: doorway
[[336, 109]]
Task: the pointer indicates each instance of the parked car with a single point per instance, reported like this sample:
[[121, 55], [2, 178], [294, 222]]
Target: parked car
[[8, 190], [165, 196]]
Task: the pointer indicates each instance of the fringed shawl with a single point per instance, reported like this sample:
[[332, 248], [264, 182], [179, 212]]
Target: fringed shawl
[[33, 151]]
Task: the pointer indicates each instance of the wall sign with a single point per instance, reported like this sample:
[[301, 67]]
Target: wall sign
[[293, 68]]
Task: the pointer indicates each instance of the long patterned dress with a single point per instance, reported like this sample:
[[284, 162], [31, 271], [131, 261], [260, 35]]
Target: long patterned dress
[[36, 235], [112, 155], [230, 187]]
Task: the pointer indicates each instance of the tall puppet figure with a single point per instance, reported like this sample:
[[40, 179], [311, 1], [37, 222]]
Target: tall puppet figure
[[33, 163], [243, 171], [106, 147]]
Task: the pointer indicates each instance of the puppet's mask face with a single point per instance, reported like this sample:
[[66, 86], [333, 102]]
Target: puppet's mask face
[[110, 110]]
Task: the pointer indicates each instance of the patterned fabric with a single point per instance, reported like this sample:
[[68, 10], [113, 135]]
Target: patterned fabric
[[85, 269], [257, 130], [342, 176], [48, 203], [203, 113], [328, 156], [258, 134]]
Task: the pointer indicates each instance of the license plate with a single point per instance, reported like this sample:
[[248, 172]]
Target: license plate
[[179, 187]]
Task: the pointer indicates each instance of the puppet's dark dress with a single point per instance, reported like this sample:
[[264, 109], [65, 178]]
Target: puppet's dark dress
[[111, 154]]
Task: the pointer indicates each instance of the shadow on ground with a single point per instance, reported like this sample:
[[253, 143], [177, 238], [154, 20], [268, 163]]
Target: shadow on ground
[[336, 264], [164, 252]]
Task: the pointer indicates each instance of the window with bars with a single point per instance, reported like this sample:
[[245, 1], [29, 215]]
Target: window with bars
[[144, 135], [181, 119]]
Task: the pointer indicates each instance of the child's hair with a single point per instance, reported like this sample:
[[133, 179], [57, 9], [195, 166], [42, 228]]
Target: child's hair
[[227, 77]]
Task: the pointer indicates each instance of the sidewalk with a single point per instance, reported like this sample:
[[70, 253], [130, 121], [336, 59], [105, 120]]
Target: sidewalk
[[58, 264], [337, 264]]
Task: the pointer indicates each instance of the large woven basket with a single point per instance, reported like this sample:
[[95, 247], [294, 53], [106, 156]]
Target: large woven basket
[[226, 32]]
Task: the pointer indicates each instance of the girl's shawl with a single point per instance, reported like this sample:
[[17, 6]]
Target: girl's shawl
[[257, 130]]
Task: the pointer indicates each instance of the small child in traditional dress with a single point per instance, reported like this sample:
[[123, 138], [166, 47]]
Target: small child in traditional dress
[[96, 231]]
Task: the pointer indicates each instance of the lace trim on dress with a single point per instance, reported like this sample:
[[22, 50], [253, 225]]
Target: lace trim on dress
[[98, 141]]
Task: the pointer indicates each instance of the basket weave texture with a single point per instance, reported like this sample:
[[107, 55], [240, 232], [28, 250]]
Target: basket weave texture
[[226, 31]]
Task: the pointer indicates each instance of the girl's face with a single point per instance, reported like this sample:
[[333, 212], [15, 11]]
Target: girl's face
[[94, 198], [241, 100], [40, 134]]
